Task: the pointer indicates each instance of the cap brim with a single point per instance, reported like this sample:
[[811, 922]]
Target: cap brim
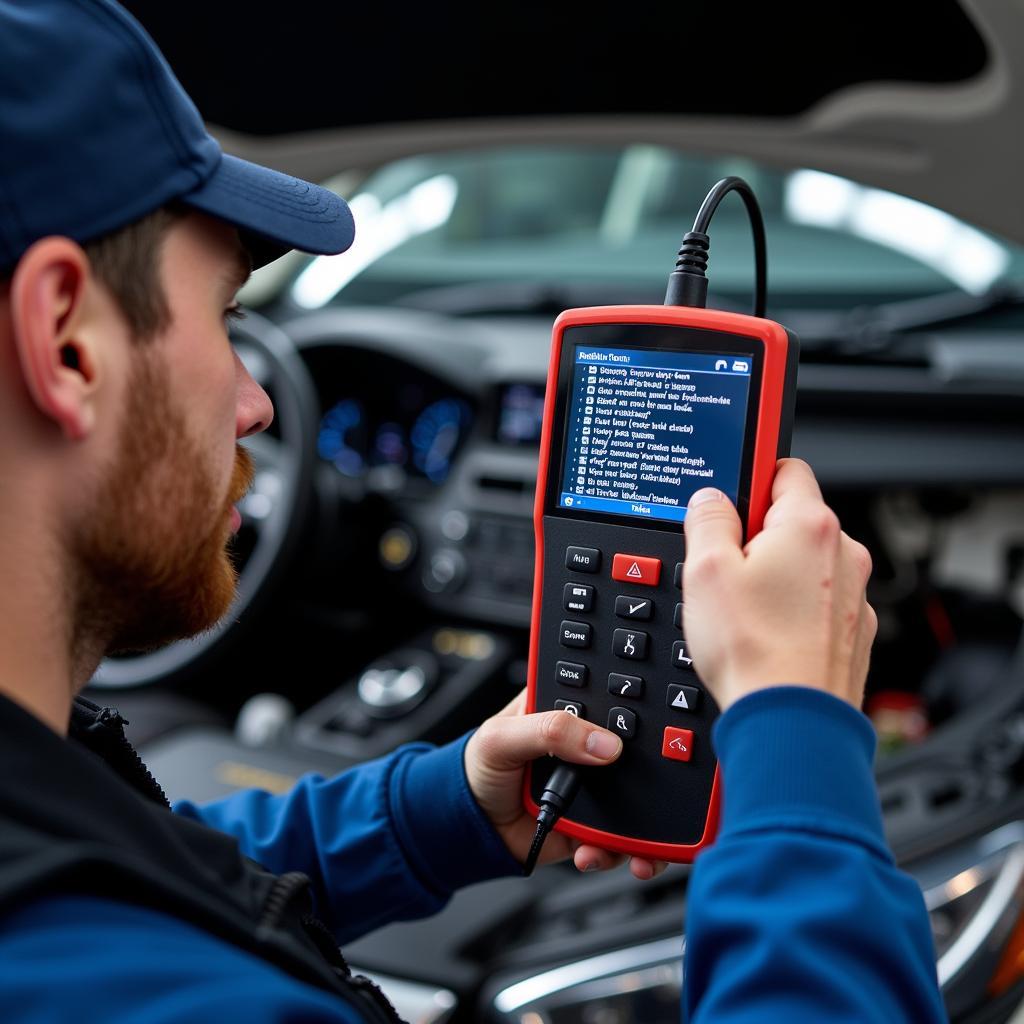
[[274, 212]]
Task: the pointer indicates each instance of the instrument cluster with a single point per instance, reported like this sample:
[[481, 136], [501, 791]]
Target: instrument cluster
[[378, 411]]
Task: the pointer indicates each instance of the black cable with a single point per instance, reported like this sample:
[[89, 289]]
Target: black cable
[[558, 794], [687, 284]]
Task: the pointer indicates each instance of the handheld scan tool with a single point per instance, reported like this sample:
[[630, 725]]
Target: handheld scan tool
[[644, 406]]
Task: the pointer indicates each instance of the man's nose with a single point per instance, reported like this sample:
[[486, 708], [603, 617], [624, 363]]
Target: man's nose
[[253, 410]]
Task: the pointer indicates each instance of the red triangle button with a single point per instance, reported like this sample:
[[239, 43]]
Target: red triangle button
[[636, 569]]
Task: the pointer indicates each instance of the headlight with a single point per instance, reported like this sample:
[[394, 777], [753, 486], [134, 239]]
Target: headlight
[[974, 895]]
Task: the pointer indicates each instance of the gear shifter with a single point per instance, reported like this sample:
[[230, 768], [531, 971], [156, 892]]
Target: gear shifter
[[394, 685]]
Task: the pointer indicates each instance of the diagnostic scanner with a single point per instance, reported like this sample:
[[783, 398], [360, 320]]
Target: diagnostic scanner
[[645, 405]]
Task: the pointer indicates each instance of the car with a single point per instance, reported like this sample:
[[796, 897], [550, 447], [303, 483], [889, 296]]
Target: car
[[387, 544]]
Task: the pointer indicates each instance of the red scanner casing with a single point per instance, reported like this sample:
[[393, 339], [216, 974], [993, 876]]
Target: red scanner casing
[[773, 432]]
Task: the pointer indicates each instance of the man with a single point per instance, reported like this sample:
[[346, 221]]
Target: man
[[124, 235]]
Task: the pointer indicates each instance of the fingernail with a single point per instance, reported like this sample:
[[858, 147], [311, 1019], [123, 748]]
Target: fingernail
[[704, 494], [603, 744], [591, 866]]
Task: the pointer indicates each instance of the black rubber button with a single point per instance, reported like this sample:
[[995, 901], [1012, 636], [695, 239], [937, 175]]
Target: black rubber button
[[577, 597], [573, 707], [570, 674], [681, 655], [625, 686], [634, 607], [574, 634], [623, 721], [583, 559], [628, 643]]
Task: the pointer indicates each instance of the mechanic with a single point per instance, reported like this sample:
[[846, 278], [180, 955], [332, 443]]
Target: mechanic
[[124, 235]]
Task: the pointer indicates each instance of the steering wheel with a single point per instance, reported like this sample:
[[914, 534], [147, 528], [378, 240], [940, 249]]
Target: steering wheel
[[273, 511]]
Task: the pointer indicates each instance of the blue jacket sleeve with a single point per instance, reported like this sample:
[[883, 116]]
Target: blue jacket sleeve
[[83, 959], [798, 913], [388, 840]]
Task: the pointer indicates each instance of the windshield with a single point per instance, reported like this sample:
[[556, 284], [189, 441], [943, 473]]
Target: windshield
[[612, 218]]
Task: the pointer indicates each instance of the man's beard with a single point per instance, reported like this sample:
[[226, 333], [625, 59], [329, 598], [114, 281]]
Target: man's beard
[[150, 562]]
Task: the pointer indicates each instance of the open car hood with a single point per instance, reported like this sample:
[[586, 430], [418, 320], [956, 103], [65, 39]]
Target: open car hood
[[954, 144]]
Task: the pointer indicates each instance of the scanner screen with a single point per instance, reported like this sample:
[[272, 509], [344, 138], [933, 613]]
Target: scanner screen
[[649, 427]]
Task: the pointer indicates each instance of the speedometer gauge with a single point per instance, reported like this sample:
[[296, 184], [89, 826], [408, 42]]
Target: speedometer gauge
[[435, 436], [389, 447], [342, 437]]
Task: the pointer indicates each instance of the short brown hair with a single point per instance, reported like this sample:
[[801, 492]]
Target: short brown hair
[[127, 262]]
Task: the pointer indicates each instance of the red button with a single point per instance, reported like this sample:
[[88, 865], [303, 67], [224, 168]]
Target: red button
[[636, 569], [677, 744]]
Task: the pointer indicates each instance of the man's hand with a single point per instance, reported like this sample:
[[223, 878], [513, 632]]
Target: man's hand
[[789, 608], [496, 756]]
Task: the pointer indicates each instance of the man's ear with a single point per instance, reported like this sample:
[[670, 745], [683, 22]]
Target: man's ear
[[47, 300]]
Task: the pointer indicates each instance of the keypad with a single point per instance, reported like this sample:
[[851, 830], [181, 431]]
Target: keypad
[[661, 618]]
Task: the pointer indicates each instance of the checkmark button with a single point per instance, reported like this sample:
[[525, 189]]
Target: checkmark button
[[627, 607]]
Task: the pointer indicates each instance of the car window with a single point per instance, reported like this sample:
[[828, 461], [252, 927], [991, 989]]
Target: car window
[[616, 215]]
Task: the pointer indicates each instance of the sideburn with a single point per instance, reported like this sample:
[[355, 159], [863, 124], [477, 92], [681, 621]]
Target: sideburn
[[150, 564]]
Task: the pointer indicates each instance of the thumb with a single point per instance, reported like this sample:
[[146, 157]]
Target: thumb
[[508, 743], [712, 524]]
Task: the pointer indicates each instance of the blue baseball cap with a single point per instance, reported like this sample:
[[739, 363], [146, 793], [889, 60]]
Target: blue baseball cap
[[96, 132]]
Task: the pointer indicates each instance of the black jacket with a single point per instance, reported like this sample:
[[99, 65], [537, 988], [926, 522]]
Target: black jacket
[[84, 816]]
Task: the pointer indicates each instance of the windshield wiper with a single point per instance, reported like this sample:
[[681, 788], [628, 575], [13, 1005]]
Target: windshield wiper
[[864, 332], [480, 298], [867, 331]]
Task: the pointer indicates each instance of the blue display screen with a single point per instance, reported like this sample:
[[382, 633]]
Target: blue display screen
[[648, 428]]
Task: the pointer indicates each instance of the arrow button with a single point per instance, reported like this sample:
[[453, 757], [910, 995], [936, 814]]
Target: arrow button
[[681, 655], [625, 686]]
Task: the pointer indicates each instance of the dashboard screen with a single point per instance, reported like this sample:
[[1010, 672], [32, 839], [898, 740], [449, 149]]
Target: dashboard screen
[[379, 413], [648, 427], [520, 414]]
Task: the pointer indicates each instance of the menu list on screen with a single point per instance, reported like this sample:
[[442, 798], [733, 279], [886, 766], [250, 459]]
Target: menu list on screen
[[648, 428]]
